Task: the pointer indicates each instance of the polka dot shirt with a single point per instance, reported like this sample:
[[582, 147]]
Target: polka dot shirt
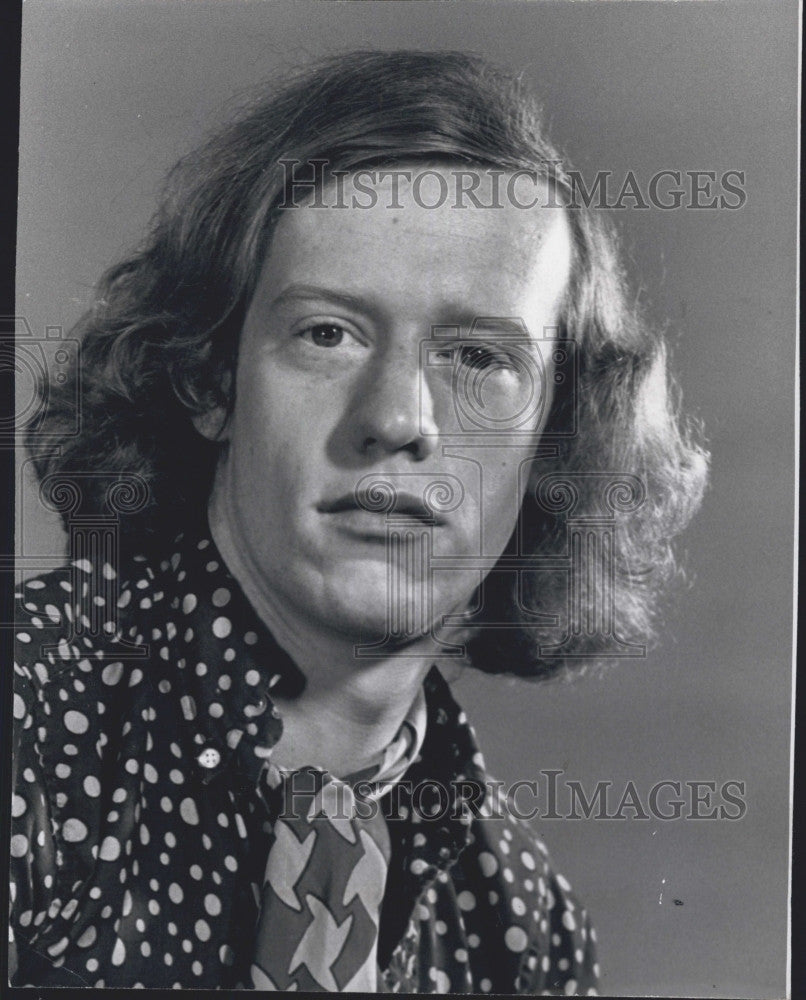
[[141, 820]]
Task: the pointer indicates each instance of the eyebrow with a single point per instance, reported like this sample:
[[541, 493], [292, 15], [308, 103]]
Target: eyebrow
[[301, 291]]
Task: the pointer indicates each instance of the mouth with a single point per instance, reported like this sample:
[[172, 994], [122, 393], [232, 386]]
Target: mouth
[[367, 509]]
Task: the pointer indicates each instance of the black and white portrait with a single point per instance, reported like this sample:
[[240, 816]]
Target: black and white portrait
[[405, 497]]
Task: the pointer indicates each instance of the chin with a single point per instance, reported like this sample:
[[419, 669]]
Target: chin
[[361, 609], [360, 615]]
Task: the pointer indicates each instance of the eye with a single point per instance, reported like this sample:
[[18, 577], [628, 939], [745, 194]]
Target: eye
[[324, 334], [483, 357]]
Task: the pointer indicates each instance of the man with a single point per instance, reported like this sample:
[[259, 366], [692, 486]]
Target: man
[[366, 363]]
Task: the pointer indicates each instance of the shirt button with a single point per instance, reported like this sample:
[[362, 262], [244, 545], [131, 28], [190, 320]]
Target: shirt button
[[209, 758]]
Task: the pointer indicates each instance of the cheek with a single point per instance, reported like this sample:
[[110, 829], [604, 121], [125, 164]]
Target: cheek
[[276, 444], [505, 486]]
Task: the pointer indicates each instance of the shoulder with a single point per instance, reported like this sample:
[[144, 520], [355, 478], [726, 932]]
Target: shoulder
[[75, 624], [74, 689], [547, 930], [70, 672]]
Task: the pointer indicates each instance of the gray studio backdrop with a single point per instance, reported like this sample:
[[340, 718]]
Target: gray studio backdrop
[[114, 91]]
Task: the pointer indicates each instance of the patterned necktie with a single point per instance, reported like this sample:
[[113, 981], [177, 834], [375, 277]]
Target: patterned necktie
[[326, 873]]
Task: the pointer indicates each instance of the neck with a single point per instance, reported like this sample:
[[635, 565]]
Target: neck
[[350, 709]]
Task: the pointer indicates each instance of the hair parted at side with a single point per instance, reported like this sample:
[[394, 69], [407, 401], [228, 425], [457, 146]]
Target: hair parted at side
[[160, 341]]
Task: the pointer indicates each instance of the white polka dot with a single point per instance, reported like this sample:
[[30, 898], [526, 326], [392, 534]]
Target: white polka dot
[[485, 985], [92, 786], [19, 845], [112, 673], [466, 900], [222, 627], [188, 603], [488, 864], [88, 937], [18, 806], [570, 987], [188, 811], [118, 953], [76, 722], [221, 597], [19, 707], [212, 904], [441, 981], [110, 849], [74, 831], [202, 929], [175, 893], [515, 938], [58, 947], [528, 860], [252, 677], [518, 906]]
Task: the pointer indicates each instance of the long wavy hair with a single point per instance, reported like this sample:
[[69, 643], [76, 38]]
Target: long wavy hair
[[160, 341]]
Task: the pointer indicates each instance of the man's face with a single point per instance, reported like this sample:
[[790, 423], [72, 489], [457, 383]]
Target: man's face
[[331, 389]]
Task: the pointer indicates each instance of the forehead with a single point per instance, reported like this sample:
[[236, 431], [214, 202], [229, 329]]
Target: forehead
[[488, 239]]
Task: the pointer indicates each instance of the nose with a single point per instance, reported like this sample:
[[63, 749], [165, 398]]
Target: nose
[[395, 411]]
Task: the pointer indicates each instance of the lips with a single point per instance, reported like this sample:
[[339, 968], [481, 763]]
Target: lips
[[370, 505]]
